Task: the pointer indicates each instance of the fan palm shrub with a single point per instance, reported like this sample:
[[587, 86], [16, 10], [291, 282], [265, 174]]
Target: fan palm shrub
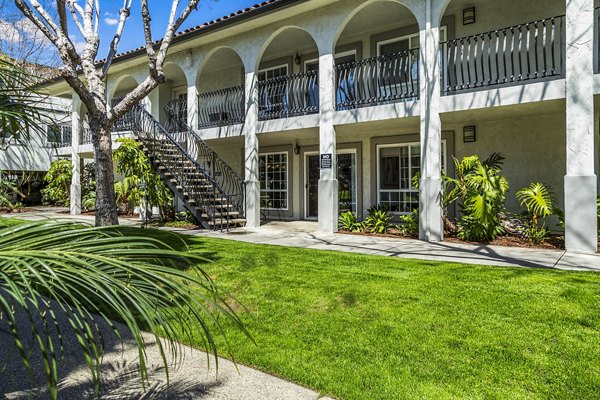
[[481, 191], [91, 274], [538, 199], [379, 220]]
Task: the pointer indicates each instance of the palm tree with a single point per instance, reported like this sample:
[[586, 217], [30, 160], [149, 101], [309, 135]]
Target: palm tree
[[96, 274]]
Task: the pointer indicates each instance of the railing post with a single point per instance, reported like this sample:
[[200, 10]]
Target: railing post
[[75, 203], [580, 181], [251, 161], [430, 207]]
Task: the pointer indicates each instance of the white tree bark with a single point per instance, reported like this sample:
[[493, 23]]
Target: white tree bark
[[86, 76]]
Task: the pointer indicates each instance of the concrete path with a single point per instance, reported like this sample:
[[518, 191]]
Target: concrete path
[[305, 234]]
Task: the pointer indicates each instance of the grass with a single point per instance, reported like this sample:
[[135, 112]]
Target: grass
[[367, 327]]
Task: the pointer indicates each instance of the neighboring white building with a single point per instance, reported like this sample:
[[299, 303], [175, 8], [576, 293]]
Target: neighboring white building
[[323, 105]]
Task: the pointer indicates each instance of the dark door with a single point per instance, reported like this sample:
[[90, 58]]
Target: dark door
[[312, 186]]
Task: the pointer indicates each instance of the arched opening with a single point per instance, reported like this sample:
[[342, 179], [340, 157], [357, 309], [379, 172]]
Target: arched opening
[[173, 99], [288, 76], [124, 86], [502, 43], [377, 56], [220, 86]]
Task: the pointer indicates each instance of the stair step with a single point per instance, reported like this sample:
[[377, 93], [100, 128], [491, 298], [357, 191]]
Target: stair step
[[218, 215], [229, 222]]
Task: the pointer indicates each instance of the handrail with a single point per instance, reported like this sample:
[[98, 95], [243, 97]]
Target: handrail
[[221, 107], [289, 96], [378, 80], [220, 175], [176, 112], [532, 50]]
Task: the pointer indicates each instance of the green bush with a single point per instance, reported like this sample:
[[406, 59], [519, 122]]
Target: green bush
[[58, 183], [410, 223], [348, 221], [481, 190], [135, 166], [379, 220], [539, 202]]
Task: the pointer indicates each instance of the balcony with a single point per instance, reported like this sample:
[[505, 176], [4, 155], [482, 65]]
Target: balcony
[[289, 96], [221, 107], [58, 135], [379, 80], [532, 51], [176, 112]]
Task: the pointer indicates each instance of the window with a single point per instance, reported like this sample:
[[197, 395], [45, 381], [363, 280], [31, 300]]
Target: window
[[273, 172], [272, 72], [273, 98], [397, 165]]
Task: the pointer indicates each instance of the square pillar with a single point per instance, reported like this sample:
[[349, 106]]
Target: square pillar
[[251, 163], [581, 232], [192, 107], [430, 186], [328, 183], [75, 202]]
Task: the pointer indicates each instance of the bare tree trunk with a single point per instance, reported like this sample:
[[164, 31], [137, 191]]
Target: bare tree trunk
[[106, 205]]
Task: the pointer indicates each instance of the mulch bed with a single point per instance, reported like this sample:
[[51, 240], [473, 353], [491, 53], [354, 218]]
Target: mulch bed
[[7, 210]]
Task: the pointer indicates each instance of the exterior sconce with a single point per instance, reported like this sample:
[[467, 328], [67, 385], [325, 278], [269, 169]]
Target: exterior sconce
[[469, 134], [297, 59], [296, 149], [469, 16]]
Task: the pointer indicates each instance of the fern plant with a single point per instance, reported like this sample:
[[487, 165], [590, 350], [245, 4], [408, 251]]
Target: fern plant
[[379, 220], [348, 221]]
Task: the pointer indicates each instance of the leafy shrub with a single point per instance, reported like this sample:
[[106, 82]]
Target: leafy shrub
[[410, 223], [135, 166], [379, 220], [539, 202], [58, 183], [481, 190], [348, 221], [88, 201]]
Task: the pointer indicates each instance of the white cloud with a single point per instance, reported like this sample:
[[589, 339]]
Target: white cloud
[[111, 21], [20, 30]]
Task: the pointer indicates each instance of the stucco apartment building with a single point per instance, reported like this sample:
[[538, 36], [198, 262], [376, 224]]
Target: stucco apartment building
[[304, 108]]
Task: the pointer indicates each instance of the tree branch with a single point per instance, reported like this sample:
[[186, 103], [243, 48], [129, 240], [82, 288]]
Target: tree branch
[[173, 27], [123, 16]]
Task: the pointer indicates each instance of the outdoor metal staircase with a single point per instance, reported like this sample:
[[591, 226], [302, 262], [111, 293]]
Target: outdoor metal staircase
[[198, 177]]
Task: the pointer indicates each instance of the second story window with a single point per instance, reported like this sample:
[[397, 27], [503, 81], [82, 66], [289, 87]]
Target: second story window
[[58, 135]]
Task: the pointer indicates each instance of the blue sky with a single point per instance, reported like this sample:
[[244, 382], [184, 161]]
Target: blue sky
[[133, 35]]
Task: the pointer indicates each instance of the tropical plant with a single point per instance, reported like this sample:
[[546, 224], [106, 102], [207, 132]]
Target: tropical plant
[[9, 189], [51, 271], [58, 183], [410, 223], [88, 201], [481, 190], [135, 166], [379, 219], [539, 202], [348, 221]]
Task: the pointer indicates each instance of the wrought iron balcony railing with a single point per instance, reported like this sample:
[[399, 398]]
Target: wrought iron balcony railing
[[176, 111], [85, 137], [533, 50], [288, 96], [126, 122], [379, 80], [221, 107], [58, 135]]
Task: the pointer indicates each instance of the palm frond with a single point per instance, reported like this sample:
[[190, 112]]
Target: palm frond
[[112, 273], [538, 199]]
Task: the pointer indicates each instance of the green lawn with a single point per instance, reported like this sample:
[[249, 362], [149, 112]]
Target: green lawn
[[368, 327]]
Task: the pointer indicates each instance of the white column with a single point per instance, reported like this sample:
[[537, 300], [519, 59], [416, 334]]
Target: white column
[[580, 182], [251, 152], [192, 107], [75, 206], [152, 103], [430, 208], [328, 183]]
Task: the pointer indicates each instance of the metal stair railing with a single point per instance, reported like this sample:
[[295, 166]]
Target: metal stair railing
[[214, 203], [210, 162]]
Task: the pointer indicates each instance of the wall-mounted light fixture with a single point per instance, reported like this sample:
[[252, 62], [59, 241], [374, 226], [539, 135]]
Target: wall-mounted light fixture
[[297, 59], [469, 134], [296, 149], [469, 16]]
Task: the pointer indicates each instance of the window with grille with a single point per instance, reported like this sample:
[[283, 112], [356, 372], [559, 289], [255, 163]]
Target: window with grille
[[273, 170]]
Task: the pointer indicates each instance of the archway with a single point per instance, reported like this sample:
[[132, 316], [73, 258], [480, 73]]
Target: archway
[[172, 99], [288, 78], [220, 86]]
